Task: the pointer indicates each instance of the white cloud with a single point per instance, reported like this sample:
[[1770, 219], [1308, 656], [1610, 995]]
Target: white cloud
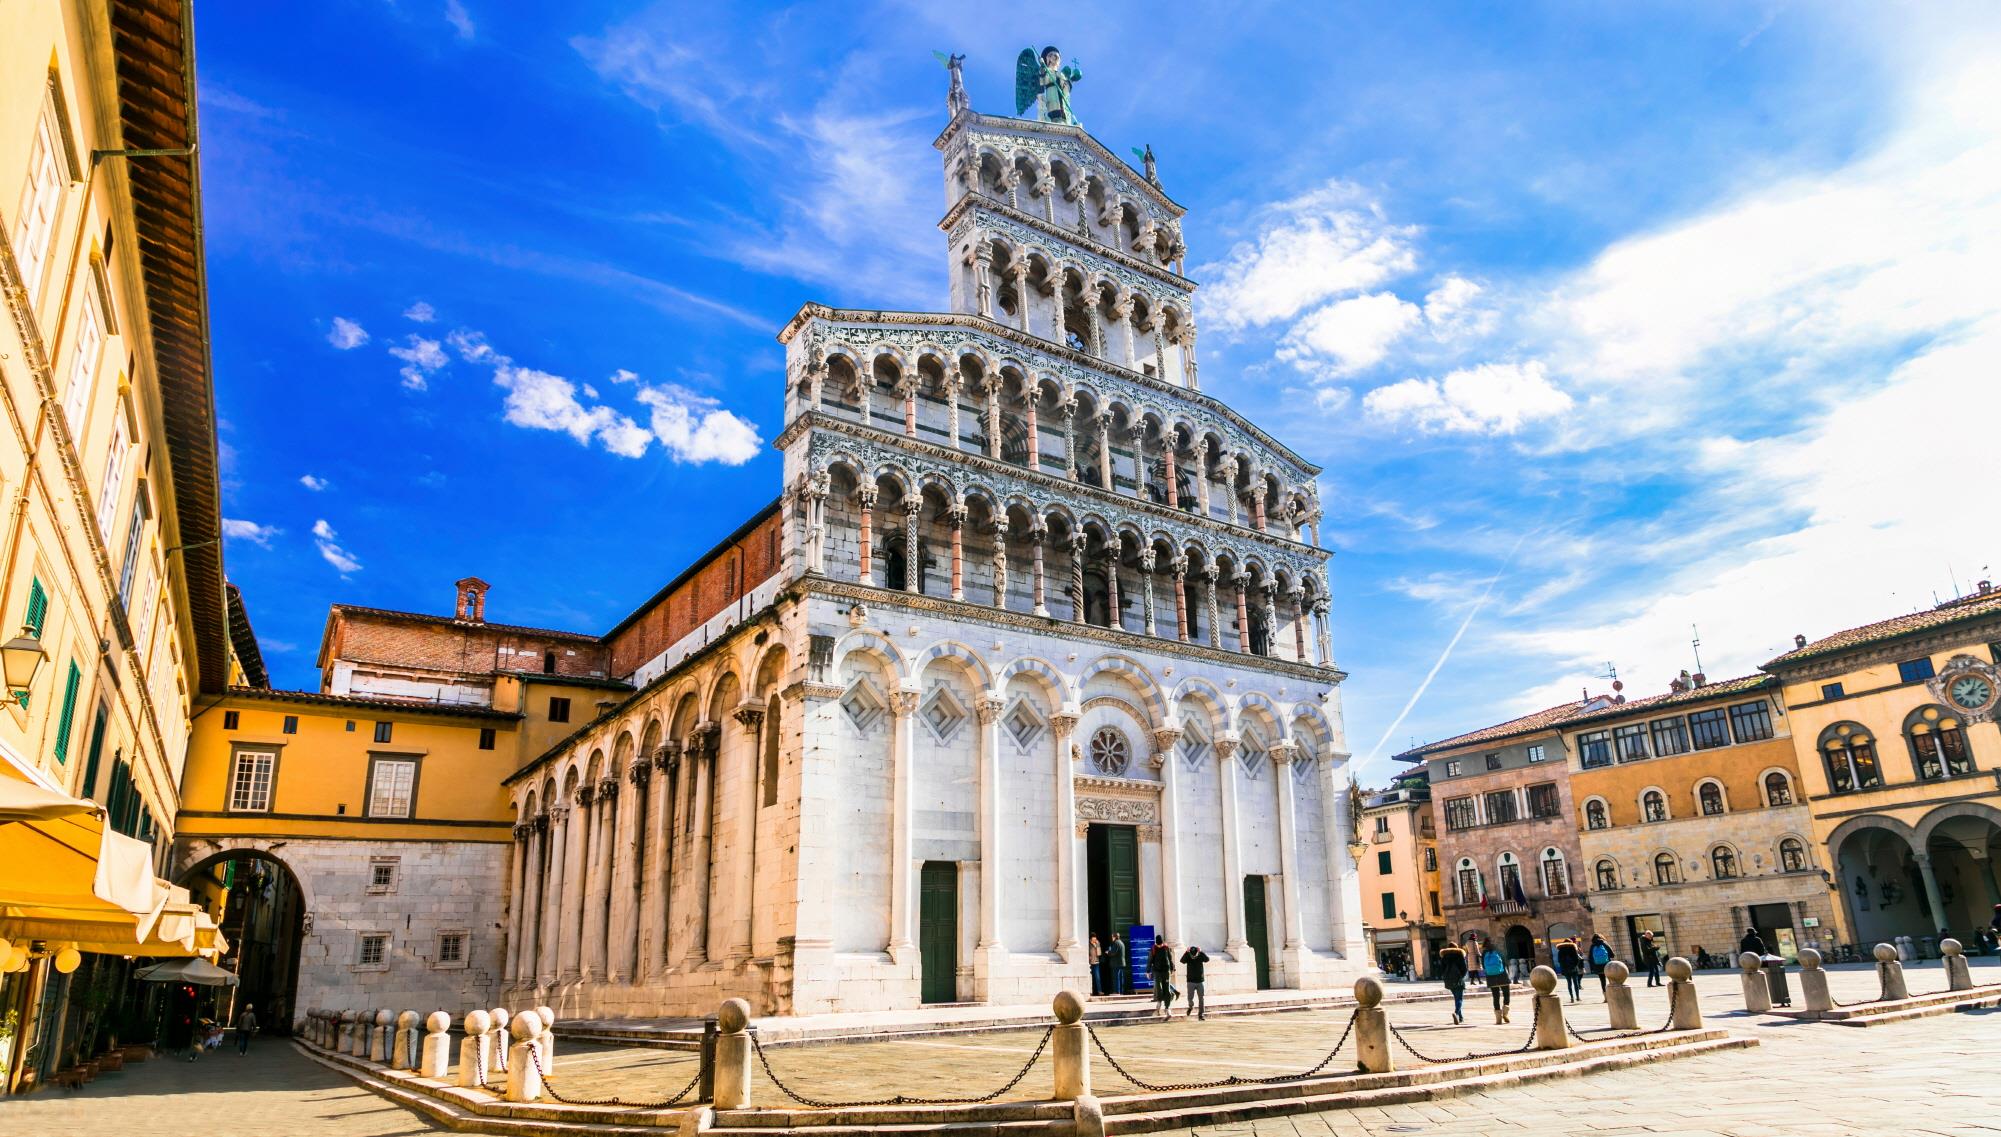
[[460, 20], [421, 357], [346, 334], [1319, 245], [420, 312], [1450, 308], [624, 376], [1492, 398], [331, 551], [541, 401], [237, 529], [1349, 335], [313, 482], [472, 346], [695, 428]]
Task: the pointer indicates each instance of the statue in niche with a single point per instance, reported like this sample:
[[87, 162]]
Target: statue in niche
[[1046, 84]]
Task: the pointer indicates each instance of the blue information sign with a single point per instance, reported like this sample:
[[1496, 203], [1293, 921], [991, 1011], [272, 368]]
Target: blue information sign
[[1139, 945]]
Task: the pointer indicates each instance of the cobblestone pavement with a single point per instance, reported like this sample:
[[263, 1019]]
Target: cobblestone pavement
[[1818, 1080]]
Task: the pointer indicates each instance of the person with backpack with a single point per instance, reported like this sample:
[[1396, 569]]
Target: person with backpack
[[1452, 973], [1495, 968], [1570, 964], [1599, 954]]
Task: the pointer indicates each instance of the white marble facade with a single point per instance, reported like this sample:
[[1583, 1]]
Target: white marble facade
[[1033, 580]]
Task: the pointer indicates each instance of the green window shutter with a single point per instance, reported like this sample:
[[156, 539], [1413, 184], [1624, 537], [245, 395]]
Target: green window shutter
[[70, 685], [38, 607], [96, 752]]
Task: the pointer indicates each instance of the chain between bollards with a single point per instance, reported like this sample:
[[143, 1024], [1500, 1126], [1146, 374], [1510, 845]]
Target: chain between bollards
[[899, 1099], [1232, 1080], [1535, 1020], [550, 1089]]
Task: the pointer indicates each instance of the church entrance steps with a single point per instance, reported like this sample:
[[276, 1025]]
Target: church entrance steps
[[1903, 1010], [954, 1018]]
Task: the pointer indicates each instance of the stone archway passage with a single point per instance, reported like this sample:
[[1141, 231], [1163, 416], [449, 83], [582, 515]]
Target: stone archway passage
[[261, 908]]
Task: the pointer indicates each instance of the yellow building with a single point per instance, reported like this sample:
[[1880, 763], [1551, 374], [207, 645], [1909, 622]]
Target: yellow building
[[110, 561], [1399, 877], [1895, 726]]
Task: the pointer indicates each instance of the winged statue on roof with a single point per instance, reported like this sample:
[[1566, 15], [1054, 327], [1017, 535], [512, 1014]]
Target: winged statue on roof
[[1044, 81]]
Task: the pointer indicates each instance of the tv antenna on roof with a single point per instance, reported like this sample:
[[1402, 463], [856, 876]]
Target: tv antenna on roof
[[1695, 645]]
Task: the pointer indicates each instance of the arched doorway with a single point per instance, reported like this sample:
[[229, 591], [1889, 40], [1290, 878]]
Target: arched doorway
[[1520, 946], [257, 902]]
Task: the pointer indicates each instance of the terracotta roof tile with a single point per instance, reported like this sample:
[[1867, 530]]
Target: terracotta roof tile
[[1526, 724], [1720, 689], [1973, 607]]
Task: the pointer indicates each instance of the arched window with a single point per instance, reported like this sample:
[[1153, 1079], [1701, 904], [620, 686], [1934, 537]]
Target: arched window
[[1937, 739], [1653, 806], [1778, 789], [1468, 882], [1110, 753], [1723, 862], [1792, 855], [1555, 874], [1850, 753], [1711, 796], [1594, 814], [1664, 868], [1511, 878], [1608, 876]]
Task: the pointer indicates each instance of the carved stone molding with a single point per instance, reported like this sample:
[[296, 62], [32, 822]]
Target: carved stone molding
[[640, 772], [608, 788], [1117, 811], [1131, 788], [903, 704], [750, 716]]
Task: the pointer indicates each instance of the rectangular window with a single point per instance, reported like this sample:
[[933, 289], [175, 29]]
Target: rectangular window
[[1500, 807], [383, 730], [1631, 742], [134, 531], [390, 782], [291, 724], [1543, 800], [382, 873], [37, 616], [451, 948], [1452, 768], [1751, 722], [1832, 690], [1384, 865], [1430, 860], [1915, 670], [113, 484], [1595, 749], [1493, 761], [1389, 905], [71, 682], [1707, 729], [41, 200], [1536, 753], [374, 950], [486, 737], [548, 663], [1434, 902], [83, 365], [1459, 813], [250, 781], [1670, 737], [559, 709], [230, 720], [1382, 823]]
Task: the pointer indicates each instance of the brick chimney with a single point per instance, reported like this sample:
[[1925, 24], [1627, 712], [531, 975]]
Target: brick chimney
[[471, 600]]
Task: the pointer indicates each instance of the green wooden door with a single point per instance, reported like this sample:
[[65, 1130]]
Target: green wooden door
[[1122, 875], [938, 931], [1254, 928]]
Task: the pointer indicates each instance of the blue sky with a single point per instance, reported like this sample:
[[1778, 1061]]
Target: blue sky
[[1605, 320]]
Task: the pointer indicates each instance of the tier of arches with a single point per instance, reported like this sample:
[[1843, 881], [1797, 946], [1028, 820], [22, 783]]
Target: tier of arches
[[1916, 878], [926, 536], [1549, 870], [1057, 297], [965, 399], [1074, 195], [1709, 796]]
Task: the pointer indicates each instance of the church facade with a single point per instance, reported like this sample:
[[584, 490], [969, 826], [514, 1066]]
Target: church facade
[[1033, 646]]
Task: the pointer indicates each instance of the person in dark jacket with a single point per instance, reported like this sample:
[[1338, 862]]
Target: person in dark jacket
[[1097, 966], [1191, 971], [1160, 969], [1452, 973], [1118, 965], [1495, 969], [1570, 964], [1752, 942], [1596, 957], [1650, 958]]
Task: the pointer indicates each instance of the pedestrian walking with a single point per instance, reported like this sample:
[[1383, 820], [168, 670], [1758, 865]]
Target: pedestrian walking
[[1120, 969], [1650, 958], [1570, 964], [1752, 942], [1160, 969], [1495, 969], [1193, 974], [1452, 973], [1597, 956], [246, 1025], [1097, 966]]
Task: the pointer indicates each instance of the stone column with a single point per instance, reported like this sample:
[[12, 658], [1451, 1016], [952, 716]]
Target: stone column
[[1097, 328], [1167, 447], [912, 509], [1159, 337], [957, 517], [1323, 637], [903, 730], [1068, 834], [1104, 431], [577, 883], [1271, 617], [1209, 601], [983, 279], [548, 961], [1283, 755], [1229, 480], [1077, 577], [1034, 430], [743, 895], [701, 797], [1146, 560], [1067, 411], [1201, 478], [1930, 878], [1243, 582], [536, 872], [989, 708], [1019, 270], [907, 387], [1188, 358], [1165, 740], [628, 881], [1114, 617], [816, 530], [1000, 563], [517, 892], [1122, 311], [1258, 506], [1298, 598], [1180, 566], [993, 417], [1139, 461], [1313, 527], [1036, 536], [1233, 879], [1132, 338], [604, 870], [864, 555], [953, 380], [657, 909]]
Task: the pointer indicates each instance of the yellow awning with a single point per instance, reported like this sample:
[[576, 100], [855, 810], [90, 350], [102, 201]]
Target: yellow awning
[[68, 879], [25, 801]]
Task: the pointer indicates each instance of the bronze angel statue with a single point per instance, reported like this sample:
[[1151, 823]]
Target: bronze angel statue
[[1046, 83]]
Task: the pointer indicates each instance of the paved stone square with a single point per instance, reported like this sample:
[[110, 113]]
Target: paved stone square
[[1927, 1076]]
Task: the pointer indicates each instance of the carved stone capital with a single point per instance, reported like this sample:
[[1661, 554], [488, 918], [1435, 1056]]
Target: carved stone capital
[[558, 814], [1167, 738], [903, 704], [1063, 722], [640, 772], [608, 788], [867, 496], [989, 709], [1226, 748], [586, 793], [539, 822], [750, 716], [1284, 752]]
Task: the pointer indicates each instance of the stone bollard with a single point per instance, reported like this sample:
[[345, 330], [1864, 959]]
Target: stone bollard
[[378, 1039], [732, 1055], [406, 1031], [523, 1082], [1958, 976], [1068, 1053], [1549, 1029], [497, 1055], [1619, 997], [1686, 1013], [319, 1035], [364, 1023], [1890, 973], [1813, 983], [437, 1059], [339, 1024], [474, 1048], [548, 1038], [1757, 989], [1372, 1028]]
